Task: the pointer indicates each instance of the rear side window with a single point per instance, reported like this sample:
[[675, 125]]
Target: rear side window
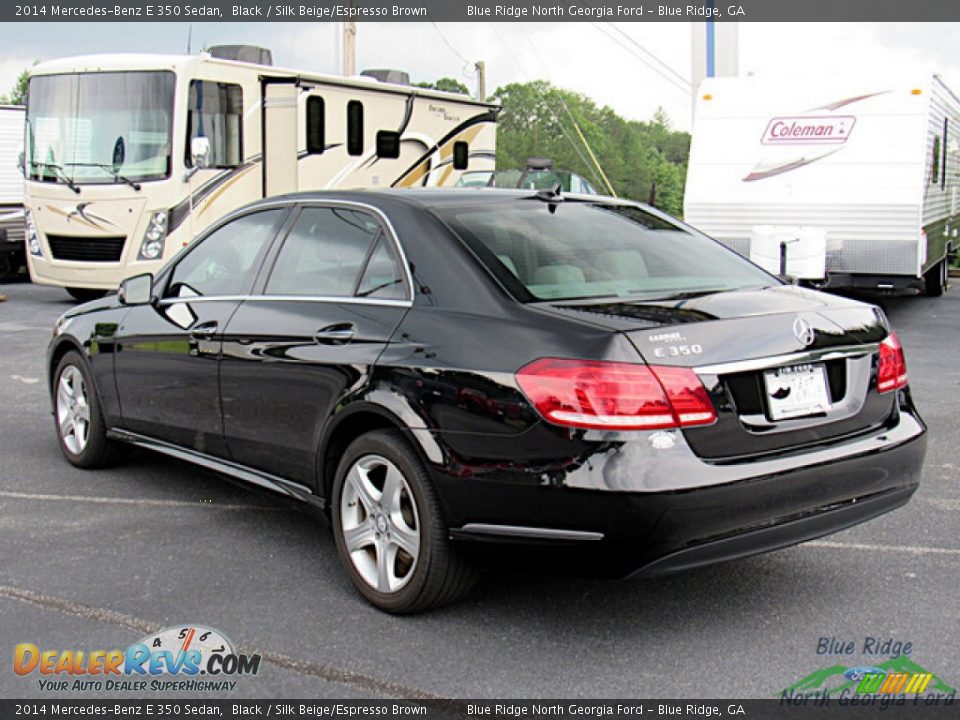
[[325, 253], [215, 111], [226, 261], [574, 250], [382, 277]]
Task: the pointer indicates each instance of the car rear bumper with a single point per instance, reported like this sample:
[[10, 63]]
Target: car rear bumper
[[763, 506]]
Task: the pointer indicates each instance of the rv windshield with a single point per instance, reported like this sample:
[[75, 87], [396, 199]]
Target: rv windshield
[[110, 127]]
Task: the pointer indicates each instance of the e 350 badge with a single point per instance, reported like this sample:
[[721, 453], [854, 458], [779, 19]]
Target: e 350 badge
[[173, 659]]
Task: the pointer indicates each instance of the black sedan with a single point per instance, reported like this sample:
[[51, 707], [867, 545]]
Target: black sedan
[[490, 376]]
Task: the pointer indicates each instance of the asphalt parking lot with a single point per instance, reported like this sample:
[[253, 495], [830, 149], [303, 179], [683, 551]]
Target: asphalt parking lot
[[95, 560]]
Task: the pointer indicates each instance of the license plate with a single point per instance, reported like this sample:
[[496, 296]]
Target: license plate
[[797, 391]]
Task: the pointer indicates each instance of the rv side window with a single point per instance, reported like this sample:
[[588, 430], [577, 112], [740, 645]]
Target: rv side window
[[355, 127], [461, 155], [388, 144], [315, 125], [215, 111], [935, 162]]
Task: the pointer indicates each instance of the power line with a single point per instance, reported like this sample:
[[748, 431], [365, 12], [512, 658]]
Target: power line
[[573, 120], [546, 103], [448, 44], [660, 62], [672, 81]]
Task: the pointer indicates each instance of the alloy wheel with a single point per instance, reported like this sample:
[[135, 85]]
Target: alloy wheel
[[380, 523], [73, 410]]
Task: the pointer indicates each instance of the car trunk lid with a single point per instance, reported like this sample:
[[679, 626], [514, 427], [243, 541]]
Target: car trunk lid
[[752, 349]]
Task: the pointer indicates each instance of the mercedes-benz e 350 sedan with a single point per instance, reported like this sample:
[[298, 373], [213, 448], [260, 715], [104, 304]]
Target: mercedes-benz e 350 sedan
[[579, 381]]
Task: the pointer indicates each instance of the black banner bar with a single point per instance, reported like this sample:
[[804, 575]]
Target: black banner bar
[[853, 707], [479, 10]]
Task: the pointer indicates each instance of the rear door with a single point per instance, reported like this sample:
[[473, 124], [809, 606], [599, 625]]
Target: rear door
[[333, 295]]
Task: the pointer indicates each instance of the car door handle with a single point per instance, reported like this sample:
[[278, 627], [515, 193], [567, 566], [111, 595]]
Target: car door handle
[[204, 330], [339, 333]]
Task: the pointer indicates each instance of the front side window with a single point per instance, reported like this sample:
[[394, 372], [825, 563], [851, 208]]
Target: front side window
[[335, 252], [577, 250], [215, 111], [226, 261], [99, 128]]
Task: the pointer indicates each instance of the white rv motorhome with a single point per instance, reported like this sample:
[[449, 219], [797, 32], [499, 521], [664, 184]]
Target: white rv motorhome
[[128, 157], [11, 190], [840, 182]]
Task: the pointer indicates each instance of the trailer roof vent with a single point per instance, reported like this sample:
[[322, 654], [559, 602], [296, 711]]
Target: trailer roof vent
[[242, 53], [385, 75]]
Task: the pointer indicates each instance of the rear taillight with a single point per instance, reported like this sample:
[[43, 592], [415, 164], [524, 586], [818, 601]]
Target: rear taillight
[[615, 396], [892, 370]]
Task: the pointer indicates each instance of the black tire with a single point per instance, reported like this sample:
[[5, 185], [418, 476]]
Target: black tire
[[98, 450], [439, 576], [934, 281], [85, 294]]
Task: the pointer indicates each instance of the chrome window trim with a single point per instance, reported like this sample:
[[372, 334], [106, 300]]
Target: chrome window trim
[[346, 299], [771, 361], [290, 204], [390, 231]]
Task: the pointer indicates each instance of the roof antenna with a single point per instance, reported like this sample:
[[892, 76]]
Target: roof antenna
[[552, 196], [189, 37]]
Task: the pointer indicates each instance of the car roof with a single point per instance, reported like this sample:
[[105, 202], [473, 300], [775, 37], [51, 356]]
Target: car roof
[[431, 197]]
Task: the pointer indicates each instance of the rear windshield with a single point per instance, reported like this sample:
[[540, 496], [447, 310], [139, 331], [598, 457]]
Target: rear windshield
[[574, 250]]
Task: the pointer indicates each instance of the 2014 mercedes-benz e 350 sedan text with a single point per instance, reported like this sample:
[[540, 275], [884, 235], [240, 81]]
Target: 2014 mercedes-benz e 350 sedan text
[[580, 381]]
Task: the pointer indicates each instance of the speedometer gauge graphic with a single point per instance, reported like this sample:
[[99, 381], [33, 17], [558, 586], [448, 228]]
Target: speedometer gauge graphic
[[181, 639]]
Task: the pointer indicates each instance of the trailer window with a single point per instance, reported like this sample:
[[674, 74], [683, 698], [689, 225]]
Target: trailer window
[[935, 162], [215, 111], [388, 144], [461, 155], [315, 125], [943, 162], [355, 127]]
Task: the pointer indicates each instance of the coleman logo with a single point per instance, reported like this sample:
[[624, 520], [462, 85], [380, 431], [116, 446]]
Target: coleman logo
[[809, 130]]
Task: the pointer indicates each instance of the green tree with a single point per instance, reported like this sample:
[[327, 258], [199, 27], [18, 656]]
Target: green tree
[[539, 120], [446, 84], [18, 93]]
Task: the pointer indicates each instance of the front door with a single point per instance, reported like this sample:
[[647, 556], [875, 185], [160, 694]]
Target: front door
[[168, 352]]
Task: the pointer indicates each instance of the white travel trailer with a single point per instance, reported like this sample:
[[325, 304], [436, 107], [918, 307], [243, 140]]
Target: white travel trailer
[[11, 190], [128, 157], [845, 182]]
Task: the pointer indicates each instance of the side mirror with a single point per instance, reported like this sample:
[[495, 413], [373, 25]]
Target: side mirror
[[136, 290], [21, 164], [200, 152]]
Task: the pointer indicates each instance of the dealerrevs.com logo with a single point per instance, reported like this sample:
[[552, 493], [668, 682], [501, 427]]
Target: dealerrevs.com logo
[[179, 658], [809, 130]]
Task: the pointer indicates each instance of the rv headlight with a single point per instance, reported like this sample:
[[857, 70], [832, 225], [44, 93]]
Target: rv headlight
[[152, 246], [33, 239]]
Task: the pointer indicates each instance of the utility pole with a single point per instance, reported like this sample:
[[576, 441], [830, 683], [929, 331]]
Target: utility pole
[[481, 68], [349, 48]]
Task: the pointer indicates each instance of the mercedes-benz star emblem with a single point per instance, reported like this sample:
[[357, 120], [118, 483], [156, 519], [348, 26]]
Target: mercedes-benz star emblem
[[803, 331]]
